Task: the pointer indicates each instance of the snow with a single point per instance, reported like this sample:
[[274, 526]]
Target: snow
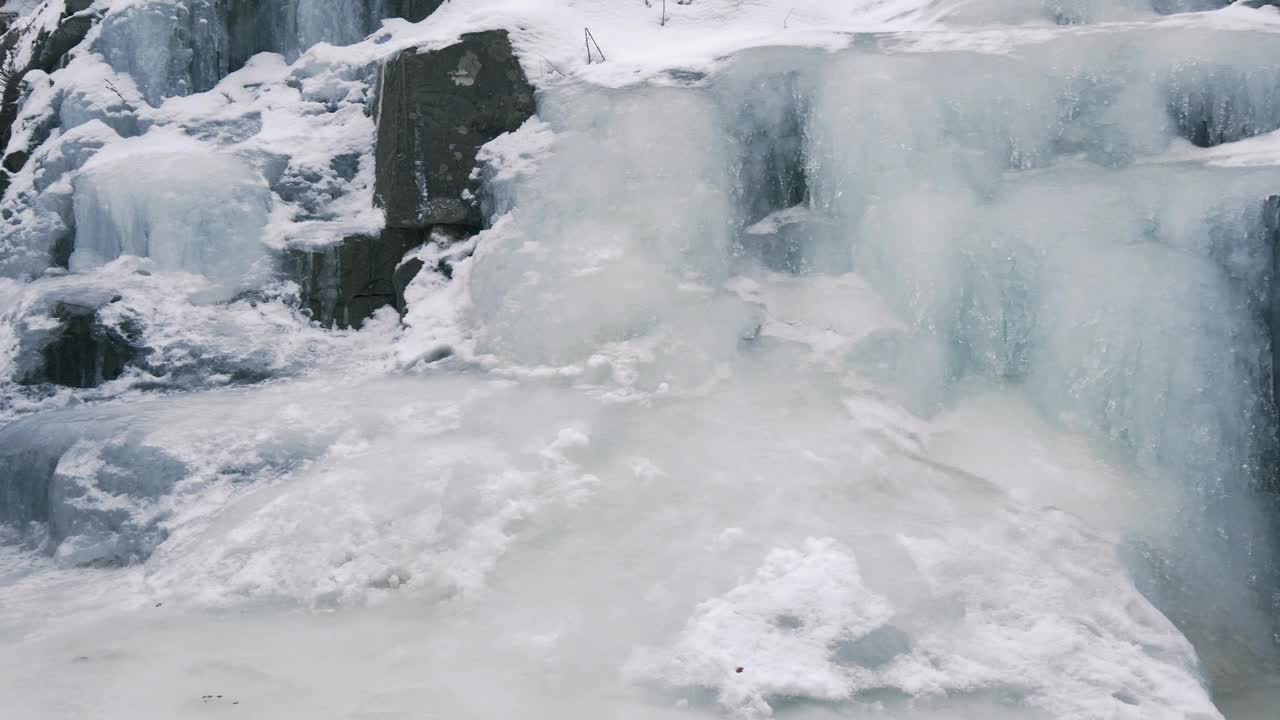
[[910, 440]]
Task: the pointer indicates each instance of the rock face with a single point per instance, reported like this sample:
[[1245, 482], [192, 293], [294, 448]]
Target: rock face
[[343, 284], [81, 352], [50, 51], [418, 10], [435, 111]]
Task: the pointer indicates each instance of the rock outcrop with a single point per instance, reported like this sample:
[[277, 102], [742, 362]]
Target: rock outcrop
[[80, 351], [418, 10], [342, 285], [435, 111], [50, 52]]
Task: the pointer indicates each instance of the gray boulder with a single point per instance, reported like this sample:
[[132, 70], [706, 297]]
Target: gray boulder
[[435, 111]]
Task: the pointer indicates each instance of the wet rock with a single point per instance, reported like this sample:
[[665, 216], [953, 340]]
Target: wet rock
[[82, 352], [404, 274], [435, 111], [342, 285]]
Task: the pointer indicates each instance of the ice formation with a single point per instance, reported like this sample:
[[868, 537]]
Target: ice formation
[[187, 209], [891, 358]]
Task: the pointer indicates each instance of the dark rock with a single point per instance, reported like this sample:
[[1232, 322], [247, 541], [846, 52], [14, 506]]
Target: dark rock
[[15, 161], [51, 50], [83, 352], [435, 111], [418, 10], [404, 274], [344, 284], [71, 30]]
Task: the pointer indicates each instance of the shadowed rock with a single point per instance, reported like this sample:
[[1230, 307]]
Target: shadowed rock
[[435, 111], [80, 351], [418, 10]]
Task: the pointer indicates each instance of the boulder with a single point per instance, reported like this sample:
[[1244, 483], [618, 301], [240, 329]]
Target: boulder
[[435, 110], [342, 285], [80, 351]]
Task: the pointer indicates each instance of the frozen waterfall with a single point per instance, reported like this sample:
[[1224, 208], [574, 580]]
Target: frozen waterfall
[[186, 209], [903, 359]]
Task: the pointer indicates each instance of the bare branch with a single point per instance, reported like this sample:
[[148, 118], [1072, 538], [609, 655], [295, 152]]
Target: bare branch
[[113, 89], [590, 40], [552, 65]]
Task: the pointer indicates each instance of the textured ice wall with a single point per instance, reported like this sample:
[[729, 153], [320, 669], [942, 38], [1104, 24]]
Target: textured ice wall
[[186, 209], [1013, 213], [632, 231], [169, 47], [179, 47]]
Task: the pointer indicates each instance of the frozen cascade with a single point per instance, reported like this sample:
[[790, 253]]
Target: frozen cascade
[[187, 210], [909, 375], [177, 47]]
